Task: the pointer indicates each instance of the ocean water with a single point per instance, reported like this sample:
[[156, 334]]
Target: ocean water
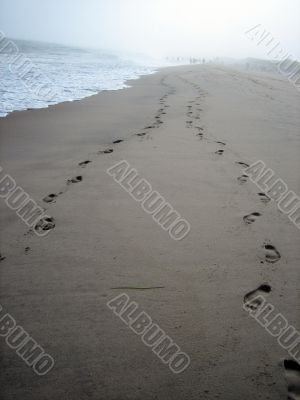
[[43, 74]]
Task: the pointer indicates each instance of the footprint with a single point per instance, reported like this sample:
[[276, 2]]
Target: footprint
[[75, 179], [50, 198], [249, 219], [242, 179], [150, 127], [118, 141], [220, 152], [264, 198], [292, 376], [2, 258], [84, 163], [45, 224], [249, 297], [222, 143], [189, 124], [106, 151], [243, 164], [200, 129], [27, 249], [141, 134], [272, 254]]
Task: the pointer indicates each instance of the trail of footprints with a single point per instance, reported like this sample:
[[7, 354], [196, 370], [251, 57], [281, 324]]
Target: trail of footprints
[[272, 255], [193, 116], [48, 223], [51, 198], [193, 113], [162, 111], [253, 299]]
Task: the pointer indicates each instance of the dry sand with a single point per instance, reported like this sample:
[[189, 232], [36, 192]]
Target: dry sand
[[58, 289]]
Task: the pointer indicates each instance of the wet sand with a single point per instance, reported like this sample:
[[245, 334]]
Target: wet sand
[[187, 131]]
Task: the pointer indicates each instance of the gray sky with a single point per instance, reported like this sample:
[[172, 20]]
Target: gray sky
[[156, 27]]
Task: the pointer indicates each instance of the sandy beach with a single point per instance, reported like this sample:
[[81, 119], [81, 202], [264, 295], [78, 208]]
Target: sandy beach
[[189, 132]]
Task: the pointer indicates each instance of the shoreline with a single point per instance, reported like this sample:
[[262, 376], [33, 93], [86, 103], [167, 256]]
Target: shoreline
[[126, 86], [187, 132]]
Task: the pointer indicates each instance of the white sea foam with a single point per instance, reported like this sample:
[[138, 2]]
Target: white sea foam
[[74, 73]]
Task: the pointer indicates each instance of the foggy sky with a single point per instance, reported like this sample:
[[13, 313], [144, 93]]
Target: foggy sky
[[155, 27]]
